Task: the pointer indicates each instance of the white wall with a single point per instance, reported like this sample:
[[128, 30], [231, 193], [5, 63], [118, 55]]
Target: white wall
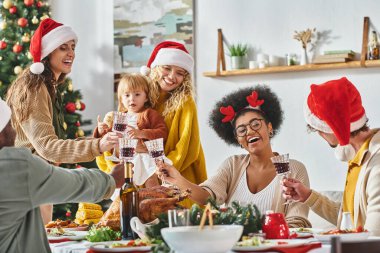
[[268, 26], [92, 72]]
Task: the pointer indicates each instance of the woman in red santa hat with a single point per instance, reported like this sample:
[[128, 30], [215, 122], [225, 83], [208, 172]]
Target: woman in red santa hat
[[334, 110], [171, 67], [37, 106]]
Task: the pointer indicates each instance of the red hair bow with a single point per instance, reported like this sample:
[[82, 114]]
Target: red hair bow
[[253, 101], [229, 112]]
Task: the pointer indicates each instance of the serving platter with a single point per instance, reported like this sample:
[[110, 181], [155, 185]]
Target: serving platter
[[286, 243], [105, 247]]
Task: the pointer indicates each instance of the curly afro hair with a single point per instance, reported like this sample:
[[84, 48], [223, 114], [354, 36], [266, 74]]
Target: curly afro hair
[[270, 110]]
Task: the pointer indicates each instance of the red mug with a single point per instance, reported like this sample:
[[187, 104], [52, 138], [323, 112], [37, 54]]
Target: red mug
[[275, 226]]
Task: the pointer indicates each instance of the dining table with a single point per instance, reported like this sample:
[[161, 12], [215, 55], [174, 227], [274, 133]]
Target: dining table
[[83, 247]]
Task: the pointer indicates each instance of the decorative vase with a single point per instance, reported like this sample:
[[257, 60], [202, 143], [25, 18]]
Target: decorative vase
[[237, 62], [304, 59]]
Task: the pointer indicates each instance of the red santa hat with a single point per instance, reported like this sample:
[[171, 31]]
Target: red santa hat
[[335, 107], [48, 36], [5, 114], [169, 53]]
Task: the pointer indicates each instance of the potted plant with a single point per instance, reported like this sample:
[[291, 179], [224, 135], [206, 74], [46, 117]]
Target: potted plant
[[238, 52]]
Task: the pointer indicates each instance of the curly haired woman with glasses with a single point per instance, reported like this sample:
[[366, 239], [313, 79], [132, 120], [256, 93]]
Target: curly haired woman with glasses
[[249, 118]]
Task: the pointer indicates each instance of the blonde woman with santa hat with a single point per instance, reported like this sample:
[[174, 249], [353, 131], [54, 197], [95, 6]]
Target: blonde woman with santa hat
[[37, 106], [171, 67], [334, 109]]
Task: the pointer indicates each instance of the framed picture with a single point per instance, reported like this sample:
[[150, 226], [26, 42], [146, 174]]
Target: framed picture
[[140, 25]]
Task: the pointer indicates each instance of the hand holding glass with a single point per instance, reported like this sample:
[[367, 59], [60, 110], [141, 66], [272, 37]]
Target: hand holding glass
[[119, 125], [156, 151], [281, 163]]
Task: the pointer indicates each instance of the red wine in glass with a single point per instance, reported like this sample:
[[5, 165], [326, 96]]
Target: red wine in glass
[[156, 153], [127, 152], [281, 168], [119, 127]]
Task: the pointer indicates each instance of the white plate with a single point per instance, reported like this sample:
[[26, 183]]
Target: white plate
[[271, 244], [78, 235], [344, 237], [305, 232], [101, 247]]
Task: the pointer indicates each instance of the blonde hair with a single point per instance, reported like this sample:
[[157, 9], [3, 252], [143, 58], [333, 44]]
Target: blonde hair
[[26, 83], [177, 96], [131, 83]]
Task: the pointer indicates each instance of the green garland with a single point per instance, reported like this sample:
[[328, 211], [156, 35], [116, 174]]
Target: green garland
[[247, 216]]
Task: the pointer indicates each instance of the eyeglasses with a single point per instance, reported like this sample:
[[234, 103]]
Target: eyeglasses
[[254, 124]]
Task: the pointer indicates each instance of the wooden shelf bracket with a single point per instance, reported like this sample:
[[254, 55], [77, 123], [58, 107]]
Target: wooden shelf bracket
[[220, 58]]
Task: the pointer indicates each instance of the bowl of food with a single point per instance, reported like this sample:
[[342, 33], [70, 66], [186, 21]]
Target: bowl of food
[[190, 239]]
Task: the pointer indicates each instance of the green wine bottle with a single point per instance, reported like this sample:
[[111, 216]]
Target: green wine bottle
[[128, 203]]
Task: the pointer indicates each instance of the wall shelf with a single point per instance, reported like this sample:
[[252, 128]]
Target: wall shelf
[[295, 68]]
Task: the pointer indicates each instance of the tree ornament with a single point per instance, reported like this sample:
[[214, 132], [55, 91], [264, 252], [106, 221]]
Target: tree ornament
[[40, 4], [70, 107], [13, 10], [35, 20], [78, 106], [1, 58], [77, 124], [22, 22], [3, 25], [45, 16], [17, 70], [25, 38], [17, 48], [3, 45], [7, 4], [68, 213], [28, 2], [65, 126], [70, 87], [80, 132], [29, 55], [83, 106]]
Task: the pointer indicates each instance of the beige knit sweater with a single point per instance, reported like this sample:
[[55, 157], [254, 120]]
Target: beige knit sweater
[[37, 133]]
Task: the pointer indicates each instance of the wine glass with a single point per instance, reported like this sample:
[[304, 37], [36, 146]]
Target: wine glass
[[156, 151], [127, 149], [119, 125], [281, 163]]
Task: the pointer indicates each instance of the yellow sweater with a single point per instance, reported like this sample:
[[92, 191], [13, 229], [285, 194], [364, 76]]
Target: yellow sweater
[[183, 146]]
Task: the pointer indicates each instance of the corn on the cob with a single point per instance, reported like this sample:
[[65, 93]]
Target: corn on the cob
[[91, 221], [88, 214], [78, 221], [91, 206]]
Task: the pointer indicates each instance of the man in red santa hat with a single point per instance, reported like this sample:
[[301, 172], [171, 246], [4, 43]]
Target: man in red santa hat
[[334, 110]]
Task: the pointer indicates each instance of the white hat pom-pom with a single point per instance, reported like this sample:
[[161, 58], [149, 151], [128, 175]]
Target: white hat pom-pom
[[144, 70], [37, 68]]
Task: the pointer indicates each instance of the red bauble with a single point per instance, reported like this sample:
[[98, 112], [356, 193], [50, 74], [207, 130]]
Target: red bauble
[[68, 214], [82, 106], [17, 48], [13, 10], [77, 124], [70, 107], [22, 22], [28, 2], [40, 4], [3, 45]]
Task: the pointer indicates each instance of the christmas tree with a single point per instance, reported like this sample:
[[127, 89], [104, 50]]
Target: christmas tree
[[19, 20]]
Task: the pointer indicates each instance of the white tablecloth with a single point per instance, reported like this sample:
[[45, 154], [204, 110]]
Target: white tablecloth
[[82, 247]]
